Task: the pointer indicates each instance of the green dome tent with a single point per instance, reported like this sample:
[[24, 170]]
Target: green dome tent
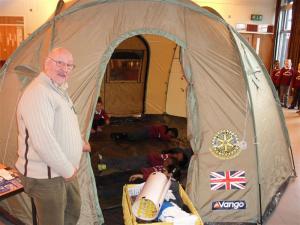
[[235, 123]]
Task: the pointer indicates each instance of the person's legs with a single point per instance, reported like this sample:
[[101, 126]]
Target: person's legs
[[100, 124], [284, 95], [94, 125], [297, 96], [278, 91], [72, 210], [295, 99], [281, 95], [118, 136], [138, 135], [49, 197]]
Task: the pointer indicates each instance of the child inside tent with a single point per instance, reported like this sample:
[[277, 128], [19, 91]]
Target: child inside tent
[[100, 118]]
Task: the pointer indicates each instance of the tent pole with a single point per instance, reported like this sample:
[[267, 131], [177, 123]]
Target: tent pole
[[293, 162], [250, 102], [277, 99], [170, 70], [259, 193], [59, 6]]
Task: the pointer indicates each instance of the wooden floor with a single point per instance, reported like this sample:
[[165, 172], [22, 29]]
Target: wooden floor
[[288, 210]]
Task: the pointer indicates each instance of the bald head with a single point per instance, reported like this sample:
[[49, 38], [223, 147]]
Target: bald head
[[58, 65]]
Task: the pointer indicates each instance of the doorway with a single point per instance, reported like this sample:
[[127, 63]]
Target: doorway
[[125, 77]]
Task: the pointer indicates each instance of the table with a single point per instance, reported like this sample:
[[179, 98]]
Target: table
[[12, 187]]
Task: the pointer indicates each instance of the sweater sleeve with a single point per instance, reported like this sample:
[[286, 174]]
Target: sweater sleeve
[[154, 159], [37, 113], [147, 171], [104, 115]]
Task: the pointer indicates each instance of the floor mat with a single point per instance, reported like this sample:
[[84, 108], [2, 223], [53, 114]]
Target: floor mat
[[110, 183]]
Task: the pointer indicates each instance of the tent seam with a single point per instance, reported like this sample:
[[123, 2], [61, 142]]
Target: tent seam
[[269, 82], [252, 113]]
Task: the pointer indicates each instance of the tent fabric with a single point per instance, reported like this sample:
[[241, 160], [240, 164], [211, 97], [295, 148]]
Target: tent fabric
[[159, 68], [177, 86], [280, 165], [222, 96], [219, 84]]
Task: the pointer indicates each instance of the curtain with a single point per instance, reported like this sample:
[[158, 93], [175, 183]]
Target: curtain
[[294, 43]]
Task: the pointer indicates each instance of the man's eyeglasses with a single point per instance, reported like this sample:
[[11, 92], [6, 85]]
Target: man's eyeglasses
[[62, 64]]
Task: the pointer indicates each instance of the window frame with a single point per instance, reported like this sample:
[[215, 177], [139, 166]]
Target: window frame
[[139, 79], [283, 35]]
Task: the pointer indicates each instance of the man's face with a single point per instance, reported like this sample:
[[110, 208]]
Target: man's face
[[58, 65], [276, 64]]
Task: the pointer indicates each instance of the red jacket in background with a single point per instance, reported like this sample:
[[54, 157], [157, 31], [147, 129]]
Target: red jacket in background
[[147, 171], [274, 76], [101, 115], [296, 80], [286, 76], [156, 159], [159, 131]]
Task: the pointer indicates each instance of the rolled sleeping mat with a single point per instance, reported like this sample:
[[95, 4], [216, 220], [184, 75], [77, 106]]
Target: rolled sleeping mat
[[148, 203]]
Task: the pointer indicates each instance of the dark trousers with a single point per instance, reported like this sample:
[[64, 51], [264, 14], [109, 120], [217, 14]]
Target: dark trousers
[[278, 90], [284, 94], [98, 123], [138, 135], [296, 98], [57, 201]]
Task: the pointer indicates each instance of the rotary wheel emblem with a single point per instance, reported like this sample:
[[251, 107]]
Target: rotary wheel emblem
[[225, 145]]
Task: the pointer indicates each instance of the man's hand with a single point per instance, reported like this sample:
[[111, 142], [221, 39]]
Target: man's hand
[[72, 177], [86, 147]]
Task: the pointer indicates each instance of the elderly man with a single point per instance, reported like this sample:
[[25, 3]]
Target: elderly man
[[50, 143]]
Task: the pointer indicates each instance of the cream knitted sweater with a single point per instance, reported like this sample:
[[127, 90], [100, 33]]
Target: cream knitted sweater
[[49, 137]]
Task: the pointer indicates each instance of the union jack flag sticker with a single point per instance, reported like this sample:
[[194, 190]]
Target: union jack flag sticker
[[228, 180]]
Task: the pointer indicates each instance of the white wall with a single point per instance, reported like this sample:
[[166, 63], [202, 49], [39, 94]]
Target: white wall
[[239, 11], [36, 12]]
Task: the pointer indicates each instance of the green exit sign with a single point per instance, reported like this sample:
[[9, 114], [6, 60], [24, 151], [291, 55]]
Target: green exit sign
[[256, 17]]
